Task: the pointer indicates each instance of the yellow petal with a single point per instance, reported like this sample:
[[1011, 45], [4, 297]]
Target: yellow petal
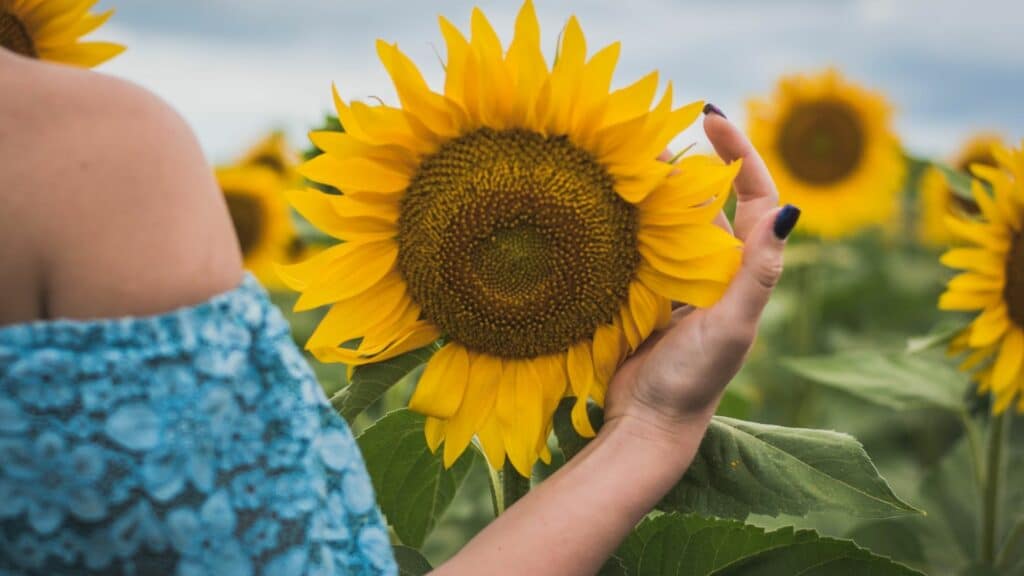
[[443, 383], [434, 429], [353, 271], [720, 267], [990, 237], [356, 173], [973, 282], [344, 145], [418, 336], [433, 110], [492, 442], [686, 242], [966, 301], [352, 318], [980, 261], [458, 51], [699, 293], [581, 378], [324, 211], [1006, 371], [83, 54], [477, 405], [988, 327], [632, 101], [529, 407], [526, 63]]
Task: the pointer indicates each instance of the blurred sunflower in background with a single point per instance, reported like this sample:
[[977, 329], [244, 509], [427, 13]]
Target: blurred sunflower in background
[[937, 198], [521, 216], [262, 219], [993, 279], [52, 30], [273, 153], [831, 150]]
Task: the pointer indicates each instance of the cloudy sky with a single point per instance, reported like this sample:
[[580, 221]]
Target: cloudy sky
[[236, 68]]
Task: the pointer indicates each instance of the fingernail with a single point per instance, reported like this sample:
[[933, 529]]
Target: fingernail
[[710, 108], [785, 221]]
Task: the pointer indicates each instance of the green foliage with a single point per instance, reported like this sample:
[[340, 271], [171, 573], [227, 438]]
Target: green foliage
[[676, 544], [413, 488], [894, 380], [410, 561], [744, 468], [370, 382], [959, 182]]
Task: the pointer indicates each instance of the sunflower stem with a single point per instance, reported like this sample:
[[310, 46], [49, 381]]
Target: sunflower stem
[[807, 321], [497, 493], [514, 485], [990, 496], [974, 443]]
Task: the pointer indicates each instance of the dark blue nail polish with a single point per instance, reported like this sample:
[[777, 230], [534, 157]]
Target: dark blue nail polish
[[710, 108], [785, 221]]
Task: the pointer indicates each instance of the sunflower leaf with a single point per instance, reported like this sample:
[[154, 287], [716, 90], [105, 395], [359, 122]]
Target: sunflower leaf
[[747, 468], [677, 544], [744, 468], [370, 382], [410, 561], [893, 380], [412, 485], [959, 182]]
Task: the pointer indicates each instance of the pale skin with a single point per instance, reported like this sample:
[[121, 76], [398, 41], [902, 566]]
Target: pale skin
[[109, 209]]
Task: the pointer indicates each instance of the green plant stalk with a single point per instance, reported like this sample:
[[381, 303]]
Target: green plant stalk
[[497, 493], [806, 331], [974, 443], [1016, 538], [990, 496], [514, 486]]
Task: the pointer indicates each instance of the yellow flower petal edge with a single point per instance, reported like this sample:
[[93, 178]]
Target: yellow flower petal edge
[[830, 147], [53, 29], [520, 214], [992, 279]]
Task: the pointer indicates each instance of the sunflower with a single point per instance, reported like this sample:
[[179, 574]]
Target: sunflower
[[273, 153], [993, 278], [521, 216], [937, 198], [829, 146], [51, 30], [262, 219]]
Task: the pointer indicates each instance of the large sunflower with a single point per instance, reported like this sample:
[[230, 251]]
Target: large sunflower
[[521, 216], [937, 198], [52, 30], [829, 145], [993, 278], [262, 219]]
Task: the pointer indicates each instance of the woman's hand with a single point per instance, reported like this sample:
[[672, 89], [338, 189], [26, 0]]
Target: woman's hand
[[679, 374]]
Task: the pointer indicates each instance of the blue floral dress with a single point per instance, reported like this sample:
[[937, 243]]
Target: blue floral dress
[[193, 442]]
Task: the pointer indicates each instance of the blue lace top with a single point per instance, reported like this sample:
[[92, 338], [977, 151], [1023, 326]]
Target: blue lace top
[[193, 442]]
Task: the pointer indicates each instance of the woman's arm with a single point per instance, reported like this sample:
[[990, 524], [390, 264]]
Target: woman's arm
[[658, 407]]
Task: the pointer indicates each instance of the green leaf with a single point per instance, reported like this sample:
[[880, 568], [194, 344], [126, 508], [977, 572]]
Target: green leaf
[[370, 382], [746, 468], [412, 486], [820, 557], [891, 379], [938, 337], [959, 182], [410, 561], [676, 544]]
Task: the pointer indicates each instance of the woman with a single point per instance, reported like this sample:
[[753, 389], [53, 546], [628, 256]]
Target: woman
[[155, 416]]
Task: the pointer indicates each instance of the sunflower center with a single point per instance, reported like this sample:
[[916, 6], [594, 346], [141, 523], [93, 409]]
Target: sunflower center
[[1013, 290], [247, 216], [14, 36], [516, 244], [821, 142]]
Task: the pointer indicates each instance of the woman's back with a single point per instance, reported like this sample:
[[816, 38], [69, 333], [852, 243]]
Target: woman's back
[[155, 414]]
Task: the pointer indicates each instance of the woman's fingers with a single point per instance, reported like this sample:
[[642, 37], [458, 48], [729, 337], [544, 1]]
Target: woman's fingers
[[755, 190], [740, 307]]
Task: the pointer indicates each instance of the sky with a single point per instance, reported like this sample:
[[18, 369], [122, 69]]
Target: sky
[[238, 68]]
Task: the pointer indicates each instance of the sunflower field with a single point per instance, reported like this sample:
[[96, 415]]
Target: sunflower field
[[468, 266]]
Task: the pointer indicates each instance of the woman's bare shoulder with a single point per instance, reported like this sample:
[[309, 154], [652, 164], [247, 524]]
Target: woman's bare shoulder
[[107, 197]]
